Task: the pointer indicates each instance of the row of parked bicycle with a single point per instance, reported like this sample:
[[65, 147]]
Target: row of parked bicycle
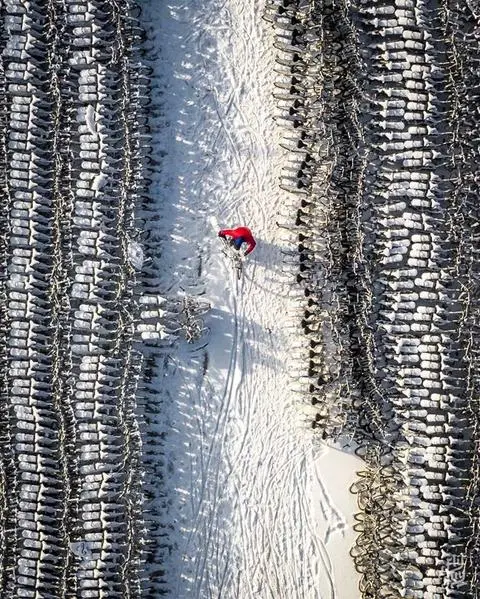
[[385, 229], [72, 101]]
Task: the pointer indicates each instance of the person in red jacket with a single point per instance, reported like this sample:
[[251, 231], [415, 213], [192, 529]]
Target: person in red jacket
[[239, 236]]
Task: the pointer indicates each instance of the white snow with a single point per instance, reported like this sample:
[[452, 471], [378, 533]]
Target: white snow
[[91, 119], [135, 254], [99, 181], [258, 507], [82, 549]]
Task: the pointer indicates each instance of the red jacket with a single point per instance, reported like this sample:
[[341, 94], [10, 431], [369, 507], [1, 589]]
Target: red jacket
[[244, 233]]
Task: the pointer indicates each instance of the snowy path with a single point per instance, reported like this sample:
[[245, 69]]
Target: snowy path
[[252, 498]]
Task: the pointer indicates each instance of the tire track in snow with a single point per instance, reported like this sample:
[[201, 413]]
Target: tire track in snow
[[238, 71], [218, 440], [231, 382]]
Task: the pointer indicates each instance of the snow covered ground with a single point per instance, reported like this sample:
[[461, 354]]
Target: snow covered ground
[[258, 507]]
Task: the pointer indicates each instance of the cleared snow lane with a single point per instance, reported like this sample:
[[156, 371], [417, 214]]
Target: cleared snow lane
[[252, 511]]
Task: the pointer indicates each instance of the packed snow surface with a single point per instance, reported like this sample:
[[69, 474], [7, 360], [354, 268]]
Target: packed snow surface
[[258, 506]]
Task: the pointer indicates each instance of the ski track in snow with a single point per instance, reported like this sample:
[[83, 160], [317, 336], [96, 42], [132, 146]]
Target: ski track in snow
[[252, 517]]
